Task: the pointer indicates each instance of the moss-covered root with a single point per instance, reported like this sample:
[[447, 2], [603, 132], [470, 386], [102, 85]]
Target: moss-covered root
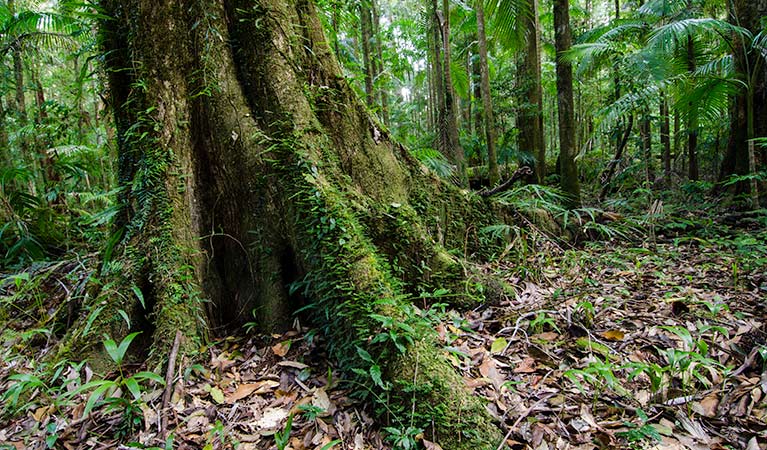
[[459, 418]]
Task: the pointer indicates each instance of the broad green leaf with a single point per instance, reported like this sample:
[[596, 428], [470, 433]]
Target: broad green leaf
[[217, 395], [498, 345]]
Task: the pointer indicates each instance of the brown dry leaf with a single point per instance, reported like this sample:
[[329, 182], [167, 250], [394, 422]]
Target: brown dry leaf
[[271, 418], [281, 349], [321, 400], [293, 364], [42, 413], [489, 370], [431, 445], [707, 407], [613, 335], [247, 389], [526, 366], [548, 336]]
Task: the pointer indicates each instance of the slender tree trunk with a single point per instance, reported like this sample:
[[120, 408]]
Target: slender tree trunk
[[568, 166], [665, 137], [477, 84], [18, 72], [257, 196], [487, 100], [677, 137], [383, 92], [454, 148], [366, 35], [609, 172], [646, 138], [692, 120], [6, 158]]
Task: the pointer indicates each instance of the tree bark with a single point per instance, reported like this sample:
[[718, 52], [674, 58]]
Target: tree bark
[[692, 120], [645, 132], [450, 120], [383, 93], [18, 71], [737, 160], [261, 183], [487, 100], [530, 121], [366, 35], [568, 166], [665, 137]]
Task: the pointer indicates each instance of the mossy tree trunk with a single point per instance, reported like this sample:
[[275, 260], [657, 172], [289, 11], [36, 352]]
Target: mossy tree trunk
[[249, 167]]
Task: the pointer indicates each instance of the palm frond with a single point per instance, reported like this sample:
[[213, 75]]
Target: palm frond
[[662, 8], [707, 98], [506, 19], [722, 67], [668, 37]]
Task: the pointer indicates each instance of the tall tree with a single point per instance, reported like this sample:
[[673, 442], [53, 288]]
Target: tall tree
[[447, 120], [749, 107], [262, 184], [18, 70], [366, 37], [487, 101], [568, 171], [530, 122], [692, 118]]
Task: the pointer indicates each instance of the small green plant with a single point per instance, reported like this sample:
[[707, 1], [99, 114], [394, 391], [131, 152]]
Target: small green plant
[[641, 432], [600, 375], [282, 438], [541, 322], [404, 439], [585, 311], [109, 393]]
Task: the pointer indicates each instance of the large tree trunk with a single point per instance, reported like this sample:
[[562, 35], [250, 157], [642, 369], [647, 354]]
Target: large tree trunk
[[530, 122], [737, 159], [487, 100], [568, 167], [447, 120], [255, 179]]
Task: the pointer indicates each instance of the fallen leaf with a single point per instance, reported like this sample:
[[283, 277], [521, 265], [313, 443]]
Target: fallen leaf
[[489, 370], [217, 395], [271, 418], [293, 364], [526, 366], [613, 335], [321, 400], [707, 406], [281, 348], [431, 445], [498, 345], [247, 389]]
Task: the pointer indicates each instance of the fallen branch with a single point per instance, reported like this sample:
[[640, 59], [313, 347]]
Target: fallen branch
[[517, 175], [169, 376]]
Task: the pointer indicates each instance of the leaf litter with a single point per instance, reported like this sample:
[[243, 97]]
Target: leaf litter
[[609, 346]]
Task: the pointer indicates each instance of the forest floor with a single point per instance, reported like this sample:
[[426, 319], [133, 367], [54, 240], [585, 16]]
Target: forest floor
[[611, 345]]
